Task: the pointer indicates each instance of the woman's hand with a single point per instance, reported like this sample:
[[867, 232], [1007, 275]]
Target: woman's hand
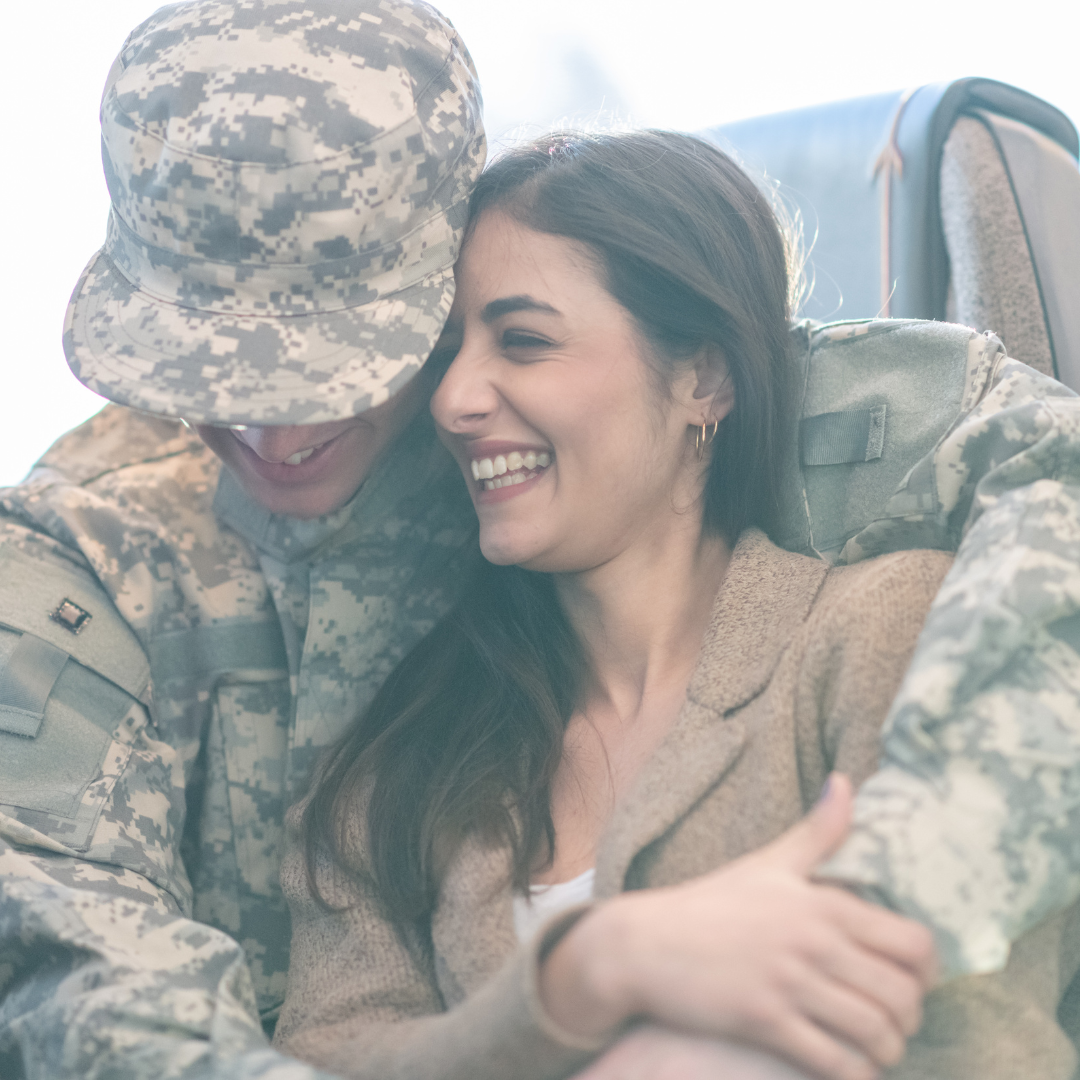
[[754, 952], [654, 1053]]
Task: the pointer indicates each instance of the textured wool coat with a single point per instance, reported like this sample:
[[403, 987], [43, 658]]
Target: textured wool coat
[[795, 676]]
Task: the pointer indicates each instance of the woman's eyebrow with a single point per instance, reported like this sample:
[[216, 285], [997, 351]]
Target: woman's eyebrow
[[507, 304]]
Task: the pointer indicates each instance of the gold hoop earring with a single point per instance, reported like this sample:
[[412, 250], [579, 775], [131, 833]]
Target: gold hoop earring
[[703, 439]]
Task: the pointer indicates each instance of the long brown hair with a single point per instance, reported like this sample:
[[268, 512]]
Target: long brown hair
[[465, 735]]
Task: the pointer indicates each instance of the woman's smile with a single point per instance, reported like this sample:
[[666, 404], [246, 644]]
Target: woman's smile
[[506, 468]]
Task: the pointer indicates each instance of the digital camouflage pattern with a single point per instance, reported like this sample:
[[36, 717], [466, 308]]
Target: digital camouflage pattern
[[142, 934], [289, 181], [972, 826], [123, 945], [289, 184]]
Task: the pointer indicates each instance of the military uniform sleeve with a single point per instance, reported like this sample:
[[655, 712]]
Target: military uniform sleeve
[[102, 971], [972, 823]]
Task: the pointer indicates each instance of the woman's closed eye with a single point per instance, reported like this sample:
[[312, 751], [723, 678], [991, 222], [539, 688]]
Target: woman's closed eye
[[523, 345]]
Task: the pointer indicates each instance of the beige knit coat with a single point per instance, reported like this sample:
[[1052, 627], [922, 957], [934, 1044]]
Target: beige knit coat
[[795, 676]]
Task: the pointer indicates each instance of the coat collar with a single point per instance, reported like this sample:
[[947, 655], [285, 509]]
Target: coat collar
[[765, 597]]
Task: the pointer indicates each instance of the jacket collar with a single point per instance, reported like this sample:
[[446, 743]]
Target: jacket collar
[[765, 597]]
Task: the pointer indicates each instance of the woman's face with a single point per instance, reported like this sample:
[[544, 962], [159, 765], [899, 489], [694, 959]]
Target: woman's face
[[571, 450]]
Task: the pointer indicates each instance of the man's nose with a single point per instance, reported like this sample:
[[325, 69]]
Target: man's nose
[[278, 443]]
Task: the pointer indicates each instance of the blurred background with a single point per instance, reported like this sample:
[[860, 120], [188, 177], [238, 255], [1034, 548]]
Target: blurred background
[[684, 64]]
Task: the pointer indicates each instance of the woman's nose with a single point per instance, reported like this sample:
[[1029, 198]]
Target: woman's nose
[[466, 397]]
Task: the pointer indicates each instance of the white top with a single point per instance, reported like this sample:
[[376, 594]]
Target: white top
[[544, 901]]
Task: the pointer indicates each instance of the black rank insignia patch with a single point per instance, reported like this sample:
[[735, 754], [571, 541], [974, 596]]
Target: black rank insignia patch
[[70, 616]]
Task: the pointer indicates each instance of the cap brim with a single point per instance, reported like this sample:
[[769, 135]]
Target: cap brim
[[212, 368]]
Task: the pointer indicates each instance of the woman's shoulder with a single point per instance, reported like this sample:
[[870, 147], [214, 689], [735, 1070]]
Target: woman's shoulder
[[830, 643], [879, 604], [900, 585], [901, 576], [849, 659]]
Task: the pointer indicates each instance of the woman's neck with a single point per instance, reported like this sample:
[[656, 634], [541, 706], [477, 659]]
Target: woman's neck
[[641, 618], [642, 615]]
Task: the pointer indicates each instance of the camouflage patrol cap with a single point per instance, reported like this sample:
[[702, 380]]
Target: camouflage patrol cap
[[289, 183]]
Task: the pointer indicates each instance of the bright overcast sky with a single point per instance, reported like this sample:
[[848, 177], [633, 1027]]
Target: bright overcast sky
[[674, 63]]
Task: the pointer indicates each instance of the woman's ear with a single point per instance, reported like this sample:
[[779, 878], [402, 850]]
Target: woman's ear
[[714, 382]]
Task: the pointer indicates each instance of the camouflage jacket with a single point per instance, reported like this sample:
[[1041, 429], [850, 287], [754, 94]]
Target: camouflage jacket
[[172, 656], [972, 824], [142, 927]]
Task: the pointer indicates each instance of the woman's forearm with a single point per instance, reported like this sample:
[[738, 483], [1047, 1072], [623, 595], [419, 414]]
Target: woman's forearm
[[586, 982], [653, 1053]]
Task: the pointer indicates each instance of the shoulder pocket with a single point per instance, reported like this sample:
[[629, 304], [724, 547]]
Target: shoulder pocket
[[69, 676]]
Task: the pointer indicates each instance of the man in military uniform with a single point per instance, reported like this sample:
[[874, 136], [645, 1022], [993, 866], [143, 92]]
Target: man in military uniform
[[178, 640]]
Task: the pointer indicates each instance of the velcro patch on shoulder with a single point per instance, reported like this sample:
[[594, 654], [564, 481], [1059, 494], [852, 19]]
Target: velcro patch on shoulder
[[68, 609], [838, 438]]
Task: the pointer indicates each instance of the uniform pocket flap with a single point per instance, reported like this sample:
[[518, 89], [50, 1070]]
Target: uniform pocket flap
[[20, 721], [53, 767], [26, 680]]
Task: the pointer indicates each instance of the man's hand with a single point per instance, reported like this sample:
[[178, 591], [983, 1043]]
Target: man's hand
[[757, 953]]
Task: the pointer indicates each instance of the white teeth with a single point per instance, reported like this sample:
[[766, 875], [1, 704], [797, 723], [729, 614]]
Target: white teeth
[[513, 468], [299, 456]]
